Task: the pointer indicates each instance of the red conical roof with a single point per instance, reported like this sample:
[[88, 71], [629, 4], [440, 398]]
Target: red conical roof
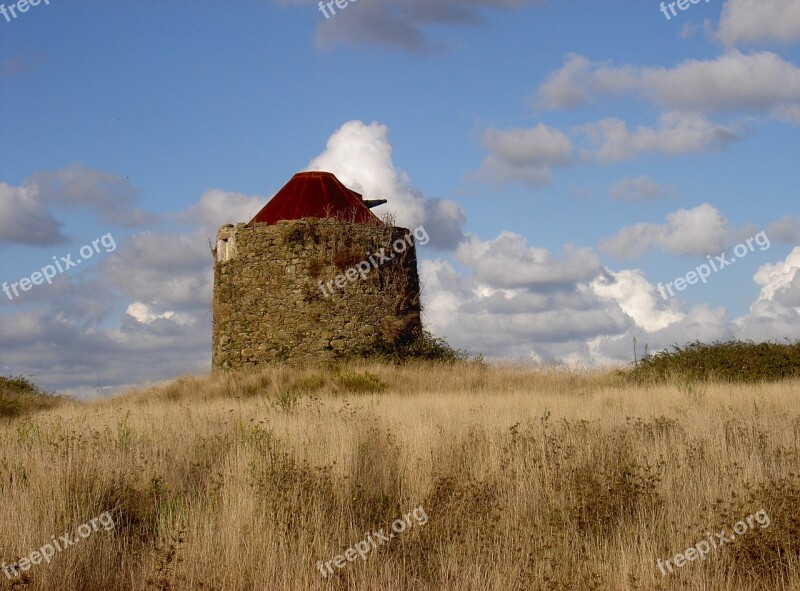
[[316, 195]]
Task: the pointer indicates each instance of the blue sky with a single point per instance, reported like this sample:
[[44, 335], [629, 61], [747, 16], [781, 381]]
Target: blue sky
[[565, 158]]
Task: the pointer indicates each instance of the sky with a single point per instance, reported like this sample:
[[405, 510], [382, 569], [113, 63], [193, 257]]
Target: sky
[[588, 172]]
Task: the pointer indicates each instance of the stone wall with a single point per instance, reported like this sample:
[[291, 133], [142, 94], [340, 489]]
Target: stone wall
[[269, 291]]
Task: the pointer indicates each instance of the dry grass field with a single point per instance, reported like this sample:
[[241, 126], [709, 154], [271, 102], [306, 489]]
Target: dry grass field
[[539, 480]]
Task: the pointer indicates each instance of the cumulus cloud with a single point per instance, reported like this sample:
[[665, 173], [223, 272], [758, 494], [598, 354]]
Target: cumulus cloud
[[786, 229], [750, 21], [677, 133], [109, 195], [568, 87], [776, 311], [521, 302], [787, 113], [534, 323], [60, 352], [757, 81], [702, 322], [217, 207], [529, 155], [524, 154], [779, 281], [25, 220], [688, 30], [641, 188], [508, 262], [638, 298], [76, 338], [699, 231], [360, 155], [517, 301], [687, 232], [25, 211], [401, 24], [142, 313], [166, 272]]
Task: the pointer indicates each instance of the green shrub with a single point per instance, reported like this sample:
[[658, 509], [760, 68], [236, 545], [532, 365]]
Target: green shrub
[[19, 396], [423, 347], [732, 361]]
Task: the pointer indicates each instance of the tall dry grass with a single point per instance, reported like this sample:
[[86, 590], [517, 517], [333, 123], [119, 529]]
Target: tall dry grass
[[530, 480]]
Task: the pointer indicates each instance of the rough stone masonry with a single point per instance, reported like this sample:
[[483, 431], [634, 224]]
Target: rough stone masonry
[[268, 307]]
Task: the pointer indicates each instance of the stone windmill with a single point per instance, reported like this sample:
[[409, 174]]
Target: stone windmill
[[302, 280]]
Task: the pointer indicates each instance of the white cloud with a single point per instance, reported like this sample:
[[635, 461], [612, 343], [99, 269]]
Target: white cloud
[[109, 195], [779, 281], [677, 133], [688, 30], [523, 324], [539, 145], [524, 154], [567, 87], [749, 21], [699, 231], [25, 220], [167, 272], [25, 212], [360, 155], [786, 229], [142, 313], [638, 298], [641, 188], [217, 207], [787, 113], [508, 262], [702, 323], [686, 232], [401, 24], [63, 351], [77, 338], [521, 302], [757, 81], [776, 311]]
